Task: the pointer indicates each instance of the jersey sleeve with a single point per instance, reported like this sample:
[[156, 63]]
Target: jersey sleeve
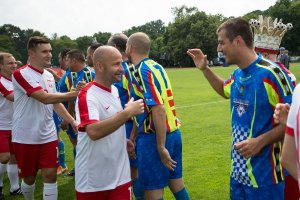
[[278, 86], [151, 87], [3, 90], [227, 85], [26, 82], [63, 84], [88, 110]]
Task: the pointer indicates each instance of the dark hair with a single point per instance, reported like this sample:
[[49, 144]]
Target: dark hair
[[64, 52], [119, 40], [94, 46], [237, 27], [34, 41], [76, 54]]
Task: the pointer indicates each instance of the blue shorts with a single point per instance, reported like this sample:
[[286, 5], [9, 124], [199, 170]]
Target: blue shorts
[[239, 191], [57, 121], [71, 132], [152, 173]]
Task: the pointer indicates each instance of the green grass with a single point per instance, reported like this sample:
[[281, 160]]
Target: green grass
[[206, 135]]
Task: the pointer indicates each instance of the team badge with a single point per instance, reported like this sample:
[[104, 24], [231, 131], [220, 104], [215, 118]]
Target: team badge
[[240, 106]]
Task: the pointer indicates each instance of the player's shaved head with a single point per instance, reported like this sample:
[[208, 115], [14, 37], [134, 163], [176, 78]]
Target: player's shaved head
[[103, 53], [140, 42]]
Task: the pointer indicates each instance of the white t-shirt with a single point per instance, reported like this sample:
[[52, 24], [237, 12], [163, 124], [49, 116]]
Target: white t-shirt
[[293, 123], [32, 120], [102, 164], [6, 106]]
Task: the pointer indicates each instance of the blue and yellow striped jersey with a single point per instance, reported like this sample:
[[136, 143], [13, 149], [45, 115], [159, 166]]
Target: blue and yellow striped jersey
[[150, 82]]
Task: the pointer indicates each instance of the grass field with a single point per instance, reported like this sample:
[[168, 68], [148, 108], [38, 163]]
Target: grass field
[[206, 134]]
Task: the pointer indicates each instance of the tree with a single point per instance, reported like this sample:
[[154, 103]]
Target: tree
[[153, 29], [102, 37], [84, 42], [59, 44]]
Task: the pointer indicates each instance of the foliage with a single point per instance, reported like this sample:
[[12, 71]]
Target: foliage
[[190, 28]]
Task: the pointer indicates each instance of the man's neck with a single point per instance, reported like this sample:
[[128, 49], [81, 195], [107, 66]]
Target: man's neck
[[6, 75], [102, 81], [138, 58], [78, 67], [36, 66], [246, 59]]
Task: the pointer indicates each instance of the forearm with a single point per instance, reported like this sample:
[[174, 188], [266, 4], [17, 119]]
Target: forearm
[[105, 127], [159, 120], [288, 157], [53, 98], [274, 135], [134, 132], [62, 112], [214, 80]]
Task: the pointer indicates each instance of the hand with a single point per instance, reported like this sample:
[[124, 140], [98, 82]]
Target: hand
[[199, 58], [281, 113], [131, 149], [80, 85], [74, 125], [248, 148], [135, 107], [166, 159]]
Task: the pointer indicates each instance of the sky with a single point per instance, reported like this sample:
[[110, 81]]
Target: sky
[[76, 18]]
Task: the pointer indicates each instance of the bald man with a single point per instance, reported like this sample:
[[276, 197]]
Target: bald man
[[102, 163], [159, 145]]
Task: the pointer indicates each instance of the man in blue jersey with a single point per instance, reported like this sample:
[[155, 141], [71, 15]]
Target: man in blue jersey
[[119, 41], [254, 89], [78, 72], [159, 146]]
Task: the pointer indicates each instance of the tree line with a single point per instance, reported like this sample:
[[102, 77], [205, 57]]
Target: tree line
[[190, 28]]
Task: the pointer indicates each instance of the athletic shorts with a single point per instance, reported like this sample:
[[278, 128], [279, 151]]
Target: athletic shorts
[[152, 173], [5, 142], [122, 192], [71, 132], [32, 157], [239, 191]]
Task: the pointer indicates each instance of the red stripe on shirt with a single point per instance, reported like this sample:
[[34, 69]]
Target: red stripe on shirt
[[229, 81], [23, 83], [4, 91], [152, 88], [290, 131], [274, 87], [83, 108]]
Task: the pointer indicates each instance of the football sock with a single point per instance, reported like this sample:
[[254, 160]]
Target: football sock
[[12, 173], [50, 191], [28, 191], [182, 195], [61, 154], [2, 171]]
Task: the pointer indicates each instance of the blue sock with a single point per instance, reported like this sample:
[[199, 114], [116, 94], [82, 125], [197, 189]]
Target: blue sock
[[182, 195], [61, 154], [137, 190], [74, 152]]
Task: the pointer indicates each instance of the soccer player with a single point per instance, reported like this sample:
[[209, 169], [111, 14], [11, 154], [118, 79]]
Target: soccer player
[[89, 53], [78, 72], [159, 146], [254, 89], [7, 66], [102, 165], [33, 133], [119, 41]]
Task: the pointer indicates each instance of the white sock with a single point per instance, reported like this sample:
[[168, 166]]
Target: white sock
[[28, 190], [2, 171], [12, 173], [50, 191]]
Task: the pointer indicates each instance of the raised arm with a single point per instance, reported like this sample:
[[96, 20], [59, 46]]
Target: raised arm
[[200, 61]]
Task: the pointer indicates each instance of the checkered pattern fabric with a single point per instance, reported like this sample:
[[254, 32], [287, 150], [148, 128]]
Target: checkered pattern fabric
[[239, 168]]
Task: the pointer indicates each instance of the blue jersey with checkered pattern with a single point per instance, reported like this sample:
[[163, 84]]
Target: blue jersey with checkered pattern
[[254, 93]]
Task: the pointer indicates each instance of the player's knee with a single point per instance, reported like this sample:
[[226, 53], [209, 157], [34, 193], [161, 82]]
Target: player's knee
[[49, 175], [4, 158]]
